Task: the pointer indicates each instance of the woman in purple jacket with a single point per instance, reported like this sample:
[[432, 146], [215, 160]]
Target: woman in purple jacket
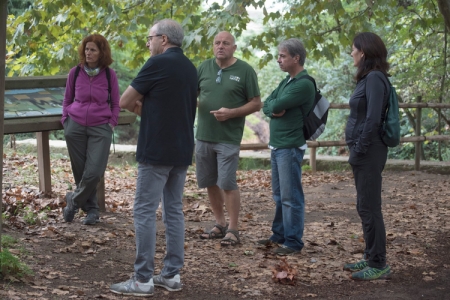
[[90, 113]]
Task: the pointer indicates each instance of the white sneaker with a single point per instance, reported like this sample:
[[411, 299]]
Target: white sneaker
[[133, 287], [171, 284]]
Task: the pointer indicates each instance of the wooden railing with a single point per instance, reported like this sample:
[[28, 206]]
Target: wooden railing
[[417, 139]]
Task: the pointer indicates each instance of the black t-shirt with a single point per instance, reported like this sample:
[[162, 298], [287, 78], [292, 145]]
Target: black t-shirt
[[168, 82]]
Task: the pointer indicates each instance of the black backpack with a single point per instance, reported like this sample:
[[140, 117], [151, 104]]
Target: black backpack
[[315, 120], [108, 77], [391, 126]]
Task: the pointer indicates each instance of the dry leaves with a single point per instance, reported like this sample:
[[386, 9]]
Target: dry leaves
[[416, 212], [283, 273]]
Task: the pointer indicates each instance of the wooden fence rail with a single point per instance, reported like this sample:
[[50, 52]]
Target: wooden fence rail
[[418, 139], [59, 81], [400, 105]]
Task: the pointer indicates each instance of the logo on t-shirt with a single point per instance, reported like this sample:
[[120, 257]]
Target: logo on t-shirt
[[235, 78]]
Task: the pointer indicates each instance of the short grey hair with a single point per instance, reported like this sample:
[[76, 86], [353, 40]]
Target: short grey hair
[[294, 47], [172, 29]]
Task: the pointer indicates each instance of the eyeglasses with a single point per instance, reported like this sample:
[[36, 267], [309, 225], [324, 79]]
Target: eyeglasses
[[219, 76], [150, 37]]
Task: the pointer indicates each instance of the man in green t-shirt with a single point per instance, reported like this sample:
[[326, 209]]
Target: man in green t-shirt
[[286, 108], [227, 92]]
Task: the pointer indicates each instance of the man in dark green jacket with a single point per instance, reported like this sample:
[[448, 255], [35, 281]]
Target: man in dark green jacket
[[286, 108]]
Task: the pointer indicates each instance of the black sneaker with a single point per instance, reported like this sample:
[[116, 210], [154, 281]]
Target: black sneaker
[[267, 242], [284, 250], [91, 219], [71, 209]]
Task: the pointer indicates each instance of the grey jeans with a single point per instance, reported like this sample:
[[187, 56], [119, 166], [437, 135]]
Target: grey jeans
[[88, 148], [155, 184]]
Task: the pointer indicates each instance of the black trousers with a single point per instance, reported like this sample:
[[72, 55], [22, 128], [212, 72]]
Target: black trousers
[[367, 169]]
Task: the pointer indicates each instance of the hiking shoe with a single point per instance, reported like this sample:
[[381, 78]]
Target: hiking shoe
[[71, 209], [267, 242], [369, 273], [91, 219], [356, 266], [284, 250], [133, 287], [171, 284]]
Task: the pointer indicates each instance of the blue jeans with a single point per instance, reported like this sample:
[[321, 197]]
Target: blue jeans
[[288, 223], [157, 183]]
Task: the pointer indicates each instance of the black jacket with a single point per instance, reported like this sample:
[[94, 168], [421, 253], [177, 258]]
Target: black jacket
[[367, 111]]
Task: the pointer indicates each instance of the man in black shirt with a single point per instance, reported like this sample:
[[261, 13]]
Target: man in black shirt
[[164, 94]]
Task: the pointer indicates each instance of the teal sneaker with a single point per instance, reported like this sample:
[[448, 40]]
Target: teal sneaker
[[356, 266], [369, 273]]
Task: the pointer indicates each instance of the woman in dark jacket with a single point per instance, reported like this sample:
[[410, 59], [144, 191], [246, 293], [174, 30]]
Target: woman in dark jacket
[[368, 154], [90, 112]]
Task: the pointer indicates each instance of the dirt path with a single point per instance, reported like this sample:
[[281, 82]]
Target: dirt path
[[71, 261]]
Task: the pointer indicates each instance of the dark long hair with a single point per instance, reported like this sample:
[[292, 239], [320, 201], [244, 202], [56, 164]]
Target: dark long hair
[[105, 58], [375, 54]]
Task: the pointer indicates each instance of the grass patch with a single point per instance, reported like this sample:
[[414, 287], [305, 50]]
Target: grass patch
[[8, 241], [247, 163], [11, 265]]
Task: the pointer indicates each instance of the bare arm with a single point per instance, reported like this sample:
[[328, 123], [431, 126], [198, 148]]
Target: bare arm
[[223, 114], [131, 100]]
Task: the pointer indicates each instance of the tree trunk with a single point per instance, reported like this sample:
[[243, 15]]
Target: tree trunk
[[444, 8], [3, 15]]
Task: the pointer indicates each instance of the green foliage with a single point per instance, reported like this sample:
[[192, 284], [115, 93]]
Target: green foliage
[[248, 163], [31, 217], [11, 264], [8, 241], [43, 40], [413, 32], [306, 168]]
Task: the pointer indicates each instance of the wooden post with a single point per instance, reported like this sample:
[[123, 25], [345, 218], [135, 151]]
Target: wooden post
[[43, 146], [312, 159], [418, 143], [101, 194]]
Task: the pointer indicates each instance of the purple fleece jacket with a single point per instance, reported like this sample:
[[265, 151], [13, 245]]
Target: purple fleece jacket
[[90, 106]]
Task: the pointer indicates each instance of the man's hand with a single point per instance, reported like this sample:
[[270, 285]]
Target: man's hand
[[138, 108], [222, 114], [130, 99], [280, 114]]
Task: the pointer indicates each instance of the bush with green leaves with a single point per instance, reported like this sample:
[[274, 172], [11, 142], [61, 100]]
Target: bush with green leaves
[[10, 264]]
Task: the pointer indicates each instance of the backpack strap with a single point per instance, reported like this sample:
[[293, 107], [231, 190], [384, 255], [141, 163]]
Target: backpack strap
[[315, 87], [108, 77], [77, 71], [311, 79]]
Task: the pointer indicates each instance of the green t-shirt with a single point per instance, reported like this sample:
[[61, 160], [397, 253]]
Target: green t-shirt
[[296, 97], [238, 84]]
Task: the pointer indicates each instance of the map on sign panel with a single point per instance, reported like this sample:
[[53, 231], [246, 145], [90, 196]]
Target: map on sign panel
[[34, 102]]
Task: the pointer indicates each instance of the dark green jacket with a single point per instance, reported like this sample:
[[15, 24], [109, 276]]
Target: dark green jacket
[[296, 97]]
